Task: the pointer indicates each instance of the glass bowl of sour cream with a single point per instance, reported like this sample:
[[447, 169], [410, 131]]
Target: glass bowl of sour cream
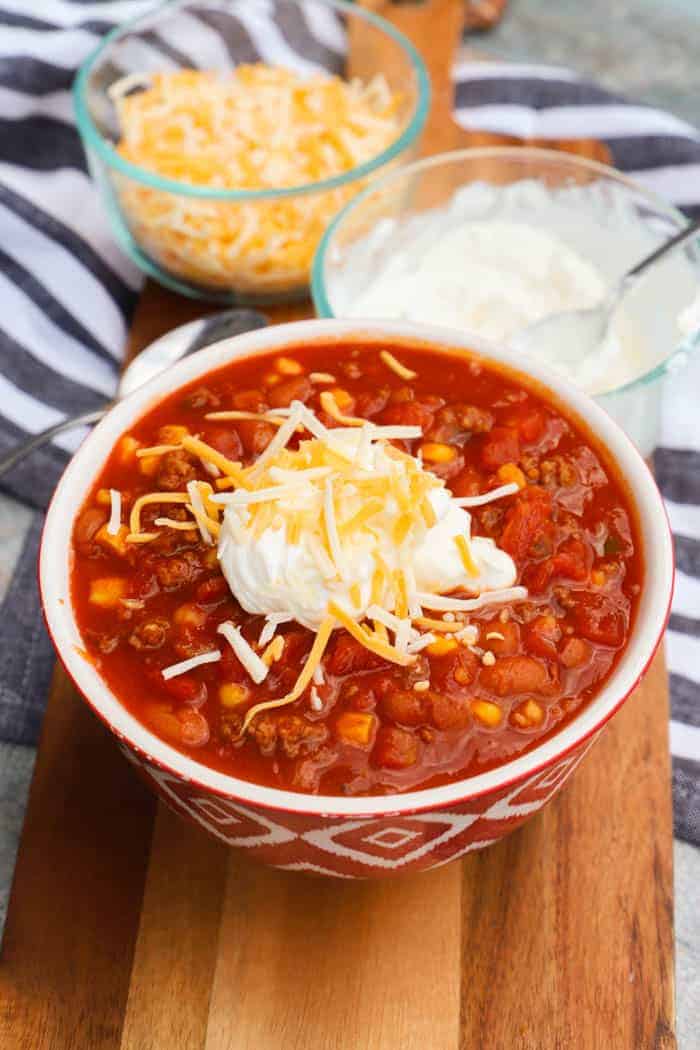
[[491, 240]]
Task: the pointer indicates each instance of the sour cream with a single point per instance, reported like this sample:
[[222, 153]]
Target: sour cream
[[270, 576]]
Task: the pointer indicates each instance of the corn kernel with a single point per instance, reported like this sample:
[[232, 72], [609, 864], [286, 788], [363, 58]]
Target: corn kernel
[[532, 713], [126, 449], [107, 590], [598, 577], [115, 541], [487, 713], [436, 452], [172, 434], [232, 694], [510, 474], [287, 366], [148, 465], [189, 615], [344, 400], [441, 646], [103, 498], [355, 728], [211, 557]]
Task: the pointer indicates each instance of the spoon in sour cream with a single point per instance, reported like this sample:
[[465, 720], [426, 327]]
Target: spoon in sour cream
[[570, 336]]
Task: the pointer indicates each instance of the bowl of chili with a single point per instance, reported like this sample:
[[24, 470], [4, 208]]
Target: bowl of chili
[[204, 577]]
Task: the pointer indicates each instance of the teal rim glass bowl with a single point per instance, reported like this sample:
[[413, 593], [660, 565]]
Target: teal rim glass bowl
[[606, 217], [190, 237]]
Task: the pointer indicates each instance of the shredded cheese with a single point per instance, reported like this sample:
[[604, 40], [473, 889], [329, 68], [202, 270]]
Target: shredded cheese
[[210, 455], [487, 497], [470, 566], [388, 652], [255, 127], [155, 450], [396, 366], [274, 651], [235, 414], [331, 408], [171, 523], [442, 601], [115, 516], [312, 661], [196, 506], [148, 498], [244, 651], [188, 665]]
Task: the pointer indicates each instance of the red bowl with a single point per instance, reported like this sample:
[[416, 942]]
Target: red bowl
[[356, 837]]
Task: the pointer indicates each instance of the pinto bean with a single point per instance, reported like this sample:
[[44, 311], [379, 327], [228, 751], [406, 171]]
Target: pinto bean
[[395, 748], [299, 388], [513, 675]]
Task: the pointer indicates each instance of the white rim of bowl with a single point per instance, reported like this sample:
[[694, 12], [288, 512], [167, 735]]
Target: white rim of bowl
[[55, 559]]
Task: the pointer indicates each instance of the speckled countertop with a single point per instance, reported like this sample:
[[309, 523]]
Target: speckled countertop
[[649, 49]]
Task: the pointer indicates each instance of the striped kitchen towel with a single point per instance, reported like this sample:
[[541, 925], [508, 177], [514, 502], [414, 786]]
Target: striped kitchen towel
[[66, 294]]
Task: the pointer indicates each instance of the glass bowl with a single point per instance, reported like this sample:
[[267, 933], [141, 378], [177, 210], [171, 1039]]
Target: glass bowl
[[247, 246], [605, 217]]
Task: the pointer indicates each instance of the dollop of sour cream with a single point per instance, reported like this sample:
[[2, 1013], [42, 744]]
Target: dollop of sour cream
[[271, 576], [495, 278]]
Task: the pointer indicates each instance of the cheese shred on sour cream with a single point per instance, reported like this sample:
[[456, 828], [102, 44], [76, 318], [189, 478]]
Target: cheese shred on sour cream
[[257, 127]]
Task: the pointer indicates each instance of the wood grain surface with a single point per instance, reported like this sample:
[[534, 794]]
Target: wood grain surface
[[129, 930]]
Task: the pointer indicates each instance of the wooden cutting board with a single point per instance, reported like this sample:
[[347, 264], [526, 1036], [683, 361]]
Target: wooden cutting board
[[130, 930]]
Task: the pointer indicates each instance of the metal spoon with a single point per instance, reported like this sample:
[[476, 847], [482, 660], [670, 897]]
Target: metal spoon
[[171, 347], [568, 337]]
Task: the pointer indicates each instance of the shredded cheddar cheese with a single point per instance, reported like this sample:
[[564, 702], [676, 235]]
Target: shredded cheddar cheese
[[256, 127], [396, 366]]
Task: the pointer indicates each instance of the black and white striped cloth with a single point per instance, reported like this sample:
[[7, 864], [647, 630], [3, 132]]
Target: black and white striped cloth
[[66, 294]]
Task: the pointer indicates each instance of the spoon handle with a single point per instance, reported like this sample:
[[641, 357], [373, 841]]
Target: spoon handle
[[19, 453], [686, 234]]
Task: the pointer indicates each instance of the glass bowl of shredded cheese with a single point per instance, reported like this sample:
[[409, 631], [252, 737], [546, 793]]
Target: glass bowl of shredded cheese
[[224, 135]]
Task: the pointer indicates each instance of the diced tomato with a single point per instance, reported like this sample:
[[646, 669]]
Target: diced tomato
[[467, 483], [573, 560], [598, 618], [574, 652], [348, 656], [500, 446], [455, 669], [527, 519], [409, 414], [395, 748], [542, 635], [538, 577], [186, 688], [215, 589], [529, 422]]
